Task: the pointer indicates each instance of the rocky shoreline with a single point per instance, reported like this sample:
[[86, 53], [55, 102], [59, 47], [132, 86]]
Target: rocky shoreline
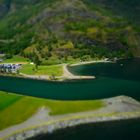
[[53, 126], [116, 109]]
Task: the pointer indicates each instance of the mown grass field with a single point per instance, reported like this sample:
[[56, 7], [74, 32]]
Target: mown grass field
[[55, 70], [15, 109], [16, 59], [30, 69]]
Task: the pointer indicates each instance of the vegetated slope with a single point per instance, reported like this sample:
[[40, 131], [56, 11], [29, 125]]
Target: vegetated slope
[[65, 29], [11, 5], [127, 8]]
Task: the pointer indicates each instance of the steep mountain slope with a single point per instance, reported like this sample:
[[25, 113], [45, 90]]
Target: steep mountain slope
[[66, 28], [3, 8], [127, 8], [13, 5]]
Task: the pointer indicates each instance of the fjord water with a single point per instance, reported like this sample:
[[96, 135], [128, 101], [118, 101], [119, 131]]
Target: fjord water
[[112, 79], [121, 130]]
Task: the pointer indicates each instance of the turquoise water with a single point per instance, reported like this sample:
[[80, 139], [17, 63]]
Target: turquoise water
[[112, 79]]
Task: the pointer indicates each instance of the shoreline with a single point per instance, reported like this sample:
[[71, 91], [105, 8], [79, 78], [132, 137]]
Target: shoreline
[[51, 127], [67, 75], [117, 109], [92, 62], [70, 76]]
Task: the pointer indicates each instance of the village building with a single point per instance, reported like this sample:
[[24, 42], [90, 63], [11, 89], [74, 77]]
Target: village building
[[10, 68]]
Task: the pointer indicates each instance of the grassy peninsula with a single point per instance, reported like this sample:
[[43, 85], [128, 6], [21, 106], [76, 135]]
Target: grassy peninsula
[[21, 108]]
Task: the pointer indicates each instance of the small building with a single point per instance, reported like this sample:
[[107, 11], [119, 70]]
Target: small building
[[10, 68]]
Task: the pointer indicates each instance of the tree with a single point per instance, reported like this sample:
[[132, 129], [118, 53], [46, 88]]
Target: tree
[[36, 59]]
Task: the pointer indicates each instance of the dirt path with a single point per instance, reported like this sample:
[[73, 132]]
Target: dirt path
[[68, 75]]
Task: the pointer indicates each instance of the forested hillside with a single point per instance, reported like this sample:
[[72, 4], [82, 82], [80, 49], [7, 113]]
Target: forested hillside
[[70, 29], [129, 9]]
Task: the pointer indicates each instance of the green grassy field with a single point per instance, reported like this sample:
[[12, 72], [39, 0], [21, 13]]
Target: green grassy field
[[30, 69], [15, 109], [55, 70], [16, 59]]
